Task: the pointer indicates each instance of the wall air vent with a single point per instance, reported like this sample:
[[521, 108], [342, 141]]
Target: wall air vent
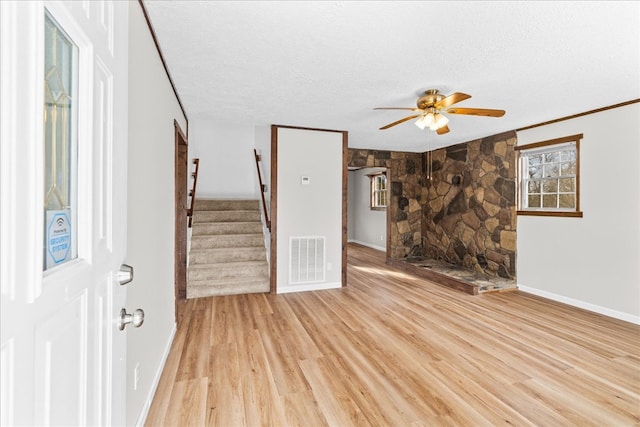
[[306, 260]]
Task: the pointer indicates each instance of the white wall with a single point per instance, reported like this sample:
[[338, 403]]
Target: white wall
[[592, 262], [152, 110], [227, 166], [309, 210], [367, 227]]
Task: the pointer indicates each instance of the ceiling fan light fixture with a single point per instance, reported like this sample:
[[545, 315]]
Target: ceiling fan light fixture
[[439, 121], [425, 120], [429, 108]]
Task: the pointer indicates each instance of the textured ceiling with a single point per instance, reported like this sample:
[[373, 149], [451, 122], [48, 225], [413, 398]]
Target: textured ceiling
[[327, 64]]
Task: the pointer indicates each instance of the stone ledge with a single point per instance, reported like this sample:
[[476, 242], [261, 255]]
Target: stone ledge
[[453, 276]]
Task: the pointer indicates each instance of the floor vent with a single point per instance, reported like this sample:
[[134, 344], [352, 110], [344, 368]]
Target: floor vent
[[306, 260]]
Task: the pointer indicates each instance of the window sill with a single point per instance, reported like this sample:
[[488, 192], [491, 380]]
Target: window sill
[[378, 209], [576, 214]]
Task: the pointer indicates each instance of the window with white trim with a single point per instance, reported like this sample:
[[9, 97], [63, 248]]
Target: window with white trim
[[378, 190], [550, 177]]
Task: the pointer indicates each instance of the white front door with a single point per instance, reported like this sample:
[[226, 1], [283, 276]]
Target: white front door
[[63, 200]]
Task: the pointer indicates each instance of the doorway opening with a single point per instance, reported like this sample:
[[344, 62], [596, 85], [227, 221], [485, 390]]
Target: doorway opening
[[368, 195]]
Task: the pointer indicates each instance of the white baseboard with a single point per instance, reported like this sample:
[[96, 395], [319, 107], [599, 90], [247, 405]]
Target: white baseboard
[[581, 304], [310, 287], [369, 245], [142, 418]]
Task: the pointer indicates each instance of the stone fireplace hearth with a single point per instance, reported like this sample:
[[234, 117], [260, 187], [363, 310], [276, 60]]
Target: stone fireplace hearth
[[456, 276], [462, 221]]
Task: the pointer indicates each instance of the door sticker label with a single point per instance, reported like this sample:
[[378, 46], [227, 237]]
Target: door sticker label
[[58, 239]]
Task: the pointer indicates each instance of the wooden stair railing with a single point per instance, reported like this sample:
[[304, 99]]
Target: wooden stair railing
[[192, 192], [263, 189]]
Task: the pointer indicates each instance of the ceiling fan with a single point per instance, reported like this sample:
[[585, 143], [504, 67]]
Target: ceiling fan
[[430, 107]]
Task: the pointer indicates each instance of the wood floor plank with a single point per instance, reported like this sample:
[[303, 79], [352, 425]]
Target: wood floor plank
[[188, 403], [162, 397], [391, 349], [297, 342], [577, 329], [473, 388], [334, 399], [262, 405], [286, 372], [221, 328], [301, 409], [390, 385], [577, 410], [586, 384], [225, 395], [194, 363]]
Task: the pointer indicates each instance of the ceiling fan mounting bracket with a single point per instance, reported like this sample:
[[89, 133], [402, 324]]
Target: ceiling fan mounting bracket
[[429, 99]]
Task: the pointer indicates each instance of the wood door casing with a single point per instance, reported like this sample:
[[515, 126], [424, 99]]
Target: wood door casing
[[181, 174]]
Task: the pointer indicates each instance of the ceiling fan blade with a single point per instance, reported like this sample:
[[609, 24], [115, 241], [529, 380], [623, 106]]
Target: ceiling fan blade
[[444, 129], [476, 112], [398, 108], [399, 121], [451, 99]]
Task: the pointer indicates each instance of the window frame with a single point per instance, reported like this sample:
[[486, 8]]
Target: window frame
[[540, 147], [373, 178]]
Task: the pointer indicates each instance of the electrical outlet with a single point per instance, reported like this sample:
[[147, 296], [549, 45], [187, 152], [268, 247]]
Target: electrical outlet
[[381, 238], [329, 266], [136, 376]]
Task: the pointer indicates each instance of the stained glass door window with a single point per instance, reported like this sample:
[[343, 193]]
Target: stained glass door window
[[60, 148]]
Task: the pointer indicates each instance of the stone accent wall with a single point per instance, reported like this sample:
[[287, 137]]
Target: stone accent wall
[[465, 215], [470, 211], [407, 195]]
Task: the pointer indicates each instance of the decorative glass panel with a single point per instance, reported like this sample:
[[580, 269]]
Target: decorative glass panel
[[550, 186], [535, 171], [568, 168], [567, 185], [549, 201], [551, 170], [60, 192], [567, 200], [551, 157], [535, 160], [534, 201]]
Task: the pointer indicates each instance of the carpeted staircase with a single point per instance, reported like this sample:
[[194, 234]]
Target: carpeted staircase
[[227, 254]]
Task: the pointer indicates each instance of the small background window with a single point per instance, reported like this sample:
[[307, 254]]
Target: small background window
[[550, 177], [378, 190]]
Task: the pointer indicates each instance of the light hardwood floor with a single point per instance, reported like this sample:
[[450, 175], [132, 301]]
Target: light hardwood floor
[[394, 350]]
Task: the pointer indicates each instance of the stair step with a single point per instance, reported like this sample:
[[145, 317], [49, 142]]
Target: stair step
[[227, 216], [220, 255], [228, 254], [205, 288], [225, 204], [209, 228], [227, 241], [226, 270]]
